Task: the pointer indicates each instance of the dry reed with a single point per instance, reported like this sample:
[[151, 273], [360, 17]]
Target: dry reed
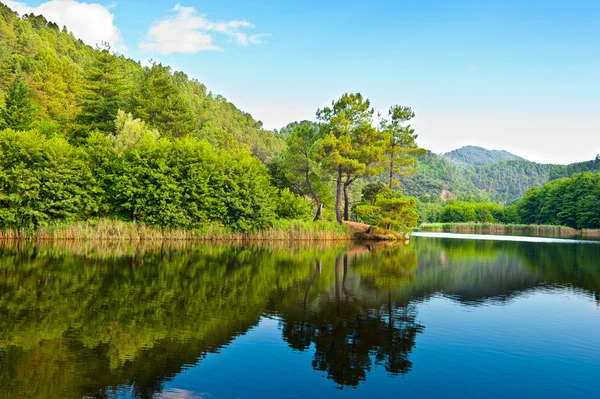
[[108, 229], [497, 228]]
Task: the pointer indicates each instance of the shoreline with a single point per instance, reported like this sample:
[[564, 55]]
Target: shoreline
[[282, 231], [522, 229]]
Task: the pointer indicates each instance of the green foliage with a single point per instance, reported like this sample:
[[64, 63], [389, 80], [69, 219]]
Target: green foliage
[[298, 167], [573, 202], [133, 176], [398, 213], [289, 128], [429, 211], [18, 112], [290, 206], [103, 94], [160, 103], [349, 147], [477, 156], [371, 191], [458, 211], [130, 132], [369, 214], [78, 89], [401, 149], [41, 180], [395, 212], [437, 177], [504, 182]]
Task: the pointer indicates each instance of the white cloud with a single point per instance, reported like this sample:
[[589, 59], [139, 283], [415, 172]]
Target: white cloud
[[190, 32], [92, 23]]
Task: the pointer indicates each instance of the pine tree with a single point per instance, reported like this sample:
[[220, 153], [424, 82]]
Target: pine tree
[[103, 95], [401, 149], [161, 104], [18, 112], [350, 146]]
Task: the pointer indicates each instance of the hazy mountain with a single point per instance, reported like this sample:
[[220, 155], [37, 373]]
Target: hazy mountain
[[477, 156], [503, 181]]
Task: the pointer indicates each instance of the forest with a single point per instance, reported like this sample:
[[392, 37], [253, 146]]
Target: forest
[[87, 134], [485, 176], [571, 201]]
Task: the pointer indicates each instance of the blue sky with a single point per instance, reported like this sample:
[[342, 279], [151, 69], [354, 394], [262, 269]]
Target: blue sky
[[517, 75]]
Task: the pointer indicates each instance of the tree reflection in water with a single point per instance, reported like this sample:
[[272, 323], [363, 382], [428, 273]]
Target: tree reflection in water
[[350, 327], [86, 319]]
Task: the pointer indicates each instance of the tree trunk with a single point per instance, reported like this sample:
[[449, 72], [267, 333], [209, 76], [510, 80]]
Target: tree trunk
[[347, 184], [346, 202], [314, 194], [319, 212], [338, 195], [391, 173]]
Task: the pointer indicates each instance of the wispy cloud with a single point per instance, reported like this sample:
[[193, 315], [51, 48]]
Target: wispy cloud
[[92, 23], [190, 32]]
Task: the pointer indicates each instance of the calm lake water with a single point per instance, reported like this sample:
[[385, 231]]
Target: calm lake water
[[441, 317]]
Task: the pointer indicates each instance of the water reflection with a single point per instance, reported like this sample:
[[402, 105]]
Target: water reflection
[[88, 320], [350, 328]]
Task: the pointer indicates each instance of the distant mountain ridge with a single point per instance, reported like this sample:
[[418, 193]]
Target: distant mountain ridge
[[503, 181], [477, 156]]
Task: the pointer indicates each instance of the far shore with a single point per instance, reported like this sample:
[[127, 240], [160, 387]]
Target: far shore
[[521, 229]]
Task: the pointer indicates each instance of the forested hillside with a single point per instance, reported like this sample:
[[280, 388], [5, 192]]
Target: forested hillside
[[506, 181], [570, 201], [477, 156], [71, 83], [89, 135], [573, 202]]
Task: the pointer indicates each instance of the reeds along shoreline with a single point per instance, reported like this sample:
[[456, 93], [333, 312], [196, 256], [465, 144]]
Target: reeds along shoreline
[[107, 229], [497, 228]]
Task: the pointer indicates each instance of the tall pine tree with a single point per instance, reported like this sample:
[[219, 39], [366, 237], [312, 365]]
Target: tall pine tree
[[18, 112], [401, 147], [161, 104], [103, 95]]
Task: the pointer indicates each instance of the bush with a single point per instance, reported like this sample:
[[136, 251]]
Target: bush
[[290, 206], [459, 211], [398, 213]]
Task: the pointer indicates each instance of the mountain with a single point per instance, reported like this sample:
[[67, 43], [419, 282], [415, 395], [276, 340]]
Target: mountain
[[478, 156], [505, 181], [67, 78]]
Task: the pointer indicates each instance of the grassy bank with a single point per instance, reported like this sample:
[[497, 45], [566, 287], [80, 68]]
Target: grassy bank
[[498, 228], [107, 229]]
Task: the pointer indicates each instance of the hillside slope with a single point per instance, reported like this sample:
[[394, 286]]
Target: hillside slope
[[505, 181], [478, 156], [61, 71]]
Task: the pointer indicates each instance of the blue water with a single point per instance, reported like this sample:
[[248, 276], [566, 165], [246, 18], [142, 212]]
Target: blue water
[[514, 349], [441, 317]]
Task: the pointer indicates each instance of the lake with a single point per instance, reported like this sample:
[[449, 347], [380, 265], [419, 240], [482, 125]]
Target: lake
[[442, 316]]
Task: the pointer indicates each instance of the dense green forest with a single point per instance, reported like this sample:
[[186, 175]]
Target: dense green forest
[[505, 181], [571, 201], [76, 89], [87, 133], [477, 156]]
